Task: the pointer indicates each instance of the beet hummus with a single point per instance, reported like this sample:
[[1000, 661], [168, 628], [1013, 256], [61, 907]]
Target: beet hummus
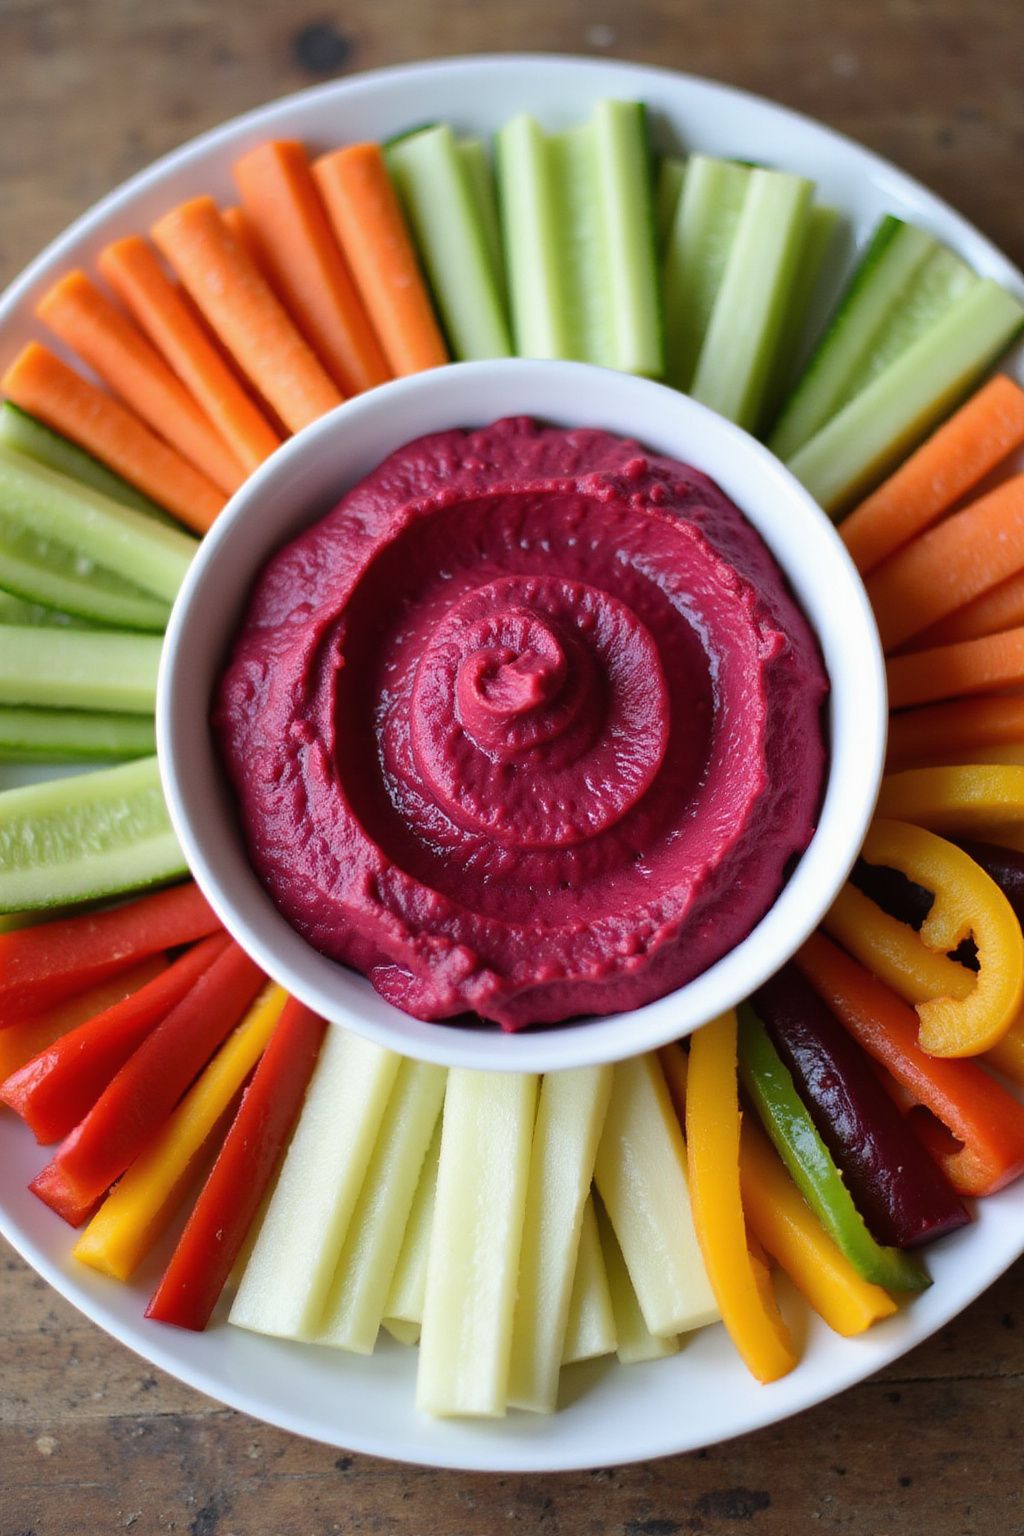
[[529, 726]]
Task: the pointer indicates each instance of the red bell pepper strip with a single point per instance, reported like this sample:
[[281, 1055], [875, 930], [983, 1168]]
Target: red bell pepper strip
[[986, 1121], [42, 965], [220, 1221], [59, 1086], [23, 1041], [147, 1087], [901, 1193]]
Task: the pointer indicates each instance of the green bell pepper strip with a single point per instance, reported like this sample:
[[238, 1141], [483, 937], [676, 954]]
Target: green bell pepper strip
[[782, 1112]]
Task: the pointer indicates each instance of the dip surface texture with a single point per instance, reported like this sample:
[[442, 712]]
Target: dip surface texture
[[528, 726]]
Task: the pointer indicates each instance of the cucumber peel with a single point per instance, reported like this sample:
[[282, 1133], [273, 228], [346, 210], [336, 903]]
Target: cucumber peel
[[91, 669], [696, 249], [45, 572], [59, 735]]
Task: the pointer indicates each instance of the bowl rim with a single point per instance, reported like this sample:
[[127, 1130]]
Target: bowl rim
[[243, 905]]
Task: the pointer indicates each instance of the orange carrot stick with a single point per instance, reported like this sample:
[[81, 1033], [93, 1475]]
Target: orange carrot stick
[[962, 729], [950, 671], [960, 560], [1000, 608], [280, 200], [40, 383], [115, 349], [953, 460], [367, 219], [133, 270], [241, 230], [243, 311]]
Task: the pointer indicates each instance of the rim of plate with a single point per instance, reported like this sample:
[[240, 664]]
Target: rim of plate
[[599, 1427]]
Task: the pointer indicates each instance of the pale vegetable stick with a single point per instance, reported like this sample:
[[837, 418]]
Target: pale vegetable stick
[[636, 1342], [466, 1340], [641, 1177], [405, 1299], [401, 1331], [293, 1259], [356, 1300], [570, 1114], [590, 1331]]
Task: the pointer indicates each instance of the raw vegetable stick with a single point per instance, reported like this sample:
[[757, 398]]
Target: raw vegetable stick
[[968, 799], [634, 1340], [281, 202], [140, 1097], [240, 229], [116, 350], [137, 1212], [892, 950], [964, 557], [570, 1116], [355, 1304], [782, 1221], [26, 435], [405, 1298], [958, 670], [402, 1332], [957, 457], [242, 310], [288, 1276], [58, 1087], [741, 1284], [590, 1329], [100, 669], [986, 1121], [133, 270], [43, 965], [217, 1230], [967, 727], [70, 735], [640, 1175], [1001, 607], [466, 1338], [42, 385], [23, 1041], [367, 219]]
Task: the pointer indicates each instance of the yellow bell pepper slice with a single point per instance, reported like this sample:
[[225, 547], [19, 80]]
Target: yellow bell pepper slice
[[971, 797], [742, 1285], [783, 1223], [134, 1216], [892, 951], [967, 903]]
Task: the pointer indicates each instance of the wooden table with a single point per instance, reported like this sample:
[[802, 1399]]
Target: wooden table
[[91, 1440]]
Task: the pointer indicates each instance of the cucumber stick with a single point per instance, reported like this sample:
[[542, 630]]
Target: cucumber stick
[[409, 1282], [479, 178], [116, 537], [440, 200], [900, 405], [634, 1340], [668, 189], [78, 669], [578, 216], [473, 1264], [895, 255], [590, 1330], [85, 837], [821, 237], [640, 1175], [16, 610], [45, 572], [356, 1301], [570, 1116], [285, 1283], [23, 433], [60, 736], [696, 250], [740, 347]]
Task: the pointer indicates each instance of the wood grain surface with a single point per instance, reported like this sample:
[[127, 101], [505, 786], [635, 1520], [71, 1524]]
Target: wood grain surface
[[92, 1440]]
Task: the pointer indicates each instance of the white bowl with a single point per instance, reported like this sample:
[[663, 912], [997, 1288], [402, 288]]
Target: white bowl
[[304, 480]]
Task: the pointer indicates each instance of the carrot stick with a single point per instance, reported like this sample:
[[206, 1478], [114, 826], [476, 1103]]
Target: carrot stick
[[23, 1041], [45, 387], [132, 269], [280, 201], [963, 558], [367, 219], [947, 730], [1000, 608], [950, 671], [953, 460], [115, 349], [243, 311], [241, 231], [43, 965]]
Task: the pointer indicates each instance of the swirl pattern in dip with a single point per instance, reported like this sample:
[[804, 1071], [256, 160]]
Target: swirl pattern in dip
[[528, 726]]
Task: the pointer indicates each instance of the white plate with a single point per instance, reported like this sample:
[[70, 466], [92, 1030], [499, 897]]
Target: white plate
[[612, 1415]]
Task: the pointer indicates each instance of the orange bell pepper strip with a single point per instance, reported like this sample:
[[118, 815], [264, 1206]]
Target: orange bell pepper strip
[[984, 1124], [967, 903], [970, 798], [784, 1225], [742, 1286]]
